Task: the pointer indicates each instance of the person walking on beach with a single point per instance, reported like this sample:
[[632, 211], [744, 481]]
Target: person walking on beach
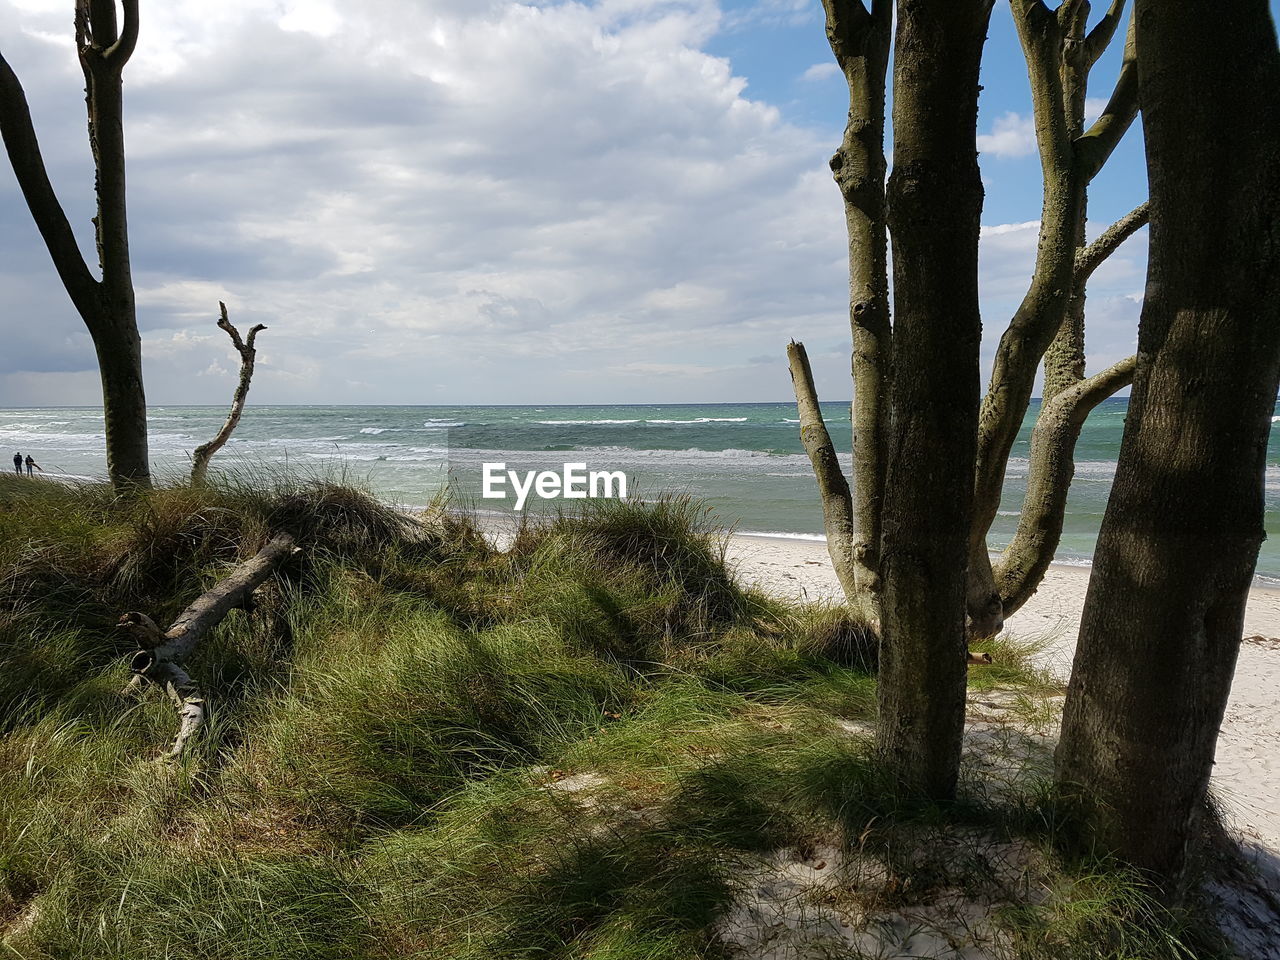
[[17, 463], [32, 463]]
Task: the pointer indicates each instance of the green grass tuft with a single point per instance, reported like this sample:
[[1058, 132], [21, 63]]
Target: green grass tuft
[[420, 746]]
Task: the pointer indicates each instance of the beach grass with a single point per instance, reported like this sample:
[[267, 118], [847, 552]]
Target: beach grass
[[594, 744]]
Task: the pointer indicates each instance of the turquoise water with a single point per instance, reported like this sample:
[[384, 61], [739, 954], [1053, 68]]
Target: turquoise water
[[744, 459]]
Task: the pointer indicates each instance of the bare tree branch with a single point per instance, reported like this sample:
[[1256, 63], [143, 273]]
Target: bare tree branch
[[1104, 30], [1040, 315], [161, 657], [1095, 146], [248, 354], [837, 502], [28, 166], [1091, 257], [120, 51], [846, 20], [1068, 10], [1052, 458], [860, 41], [1027, 9], [103, 25]]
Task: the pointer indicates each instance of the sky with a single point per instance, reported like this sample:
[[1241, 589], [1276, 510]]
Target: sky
[[487, 201]]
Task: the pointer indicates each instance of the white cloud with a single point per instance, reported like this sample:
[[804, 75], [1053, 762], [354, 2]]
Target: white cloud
[[821, 71], [1012, 135], [451, 192], [448, 201]]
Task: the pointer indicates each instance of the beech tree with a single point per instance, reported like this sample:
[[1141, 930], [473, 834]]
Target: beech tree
[[1175, 558], [933, 394], [1048, 326], [105, 304], [919, 449]]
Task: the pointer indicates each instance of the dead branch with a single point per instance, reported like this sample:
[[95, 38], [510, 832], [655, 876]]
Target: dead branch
[[248, 354], [161, 657]]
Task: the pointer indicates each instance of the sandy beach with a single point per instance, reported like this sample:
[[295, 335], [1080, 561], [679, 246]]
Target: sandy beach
[[1246, 777]]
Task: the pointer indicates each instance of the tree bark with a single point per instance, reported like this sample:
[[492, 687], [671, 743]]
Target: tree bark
[[1164, 613], [106, 306], [935, 205], [833, 488], [860, 40], [161, 657], [1064, 359], [248, 355]]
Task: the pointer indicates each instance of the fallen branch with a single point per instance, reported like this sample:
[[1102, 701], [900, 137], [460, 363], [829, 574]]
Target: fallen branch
[[248, 354], [162, 656]]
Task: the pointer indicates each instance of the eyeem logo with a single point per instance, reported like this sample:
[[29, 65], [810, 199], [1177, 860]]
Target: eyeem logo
[[574, 483]]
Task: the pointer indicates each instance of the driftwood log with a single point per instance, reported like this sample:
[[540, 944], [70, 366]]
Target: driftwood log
[[161, 656], [248, 356]]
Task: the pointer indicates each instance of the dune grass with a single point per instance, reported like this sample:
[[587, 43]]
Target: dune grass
[[422, 747]]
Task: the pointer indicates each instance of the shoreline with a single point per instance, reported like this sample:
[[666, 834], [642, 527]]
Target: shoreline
[[1246, 778]]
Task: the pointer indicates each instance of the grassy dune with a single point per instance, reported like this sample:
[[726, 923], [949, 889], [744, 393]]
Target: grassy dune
[[592, 745]]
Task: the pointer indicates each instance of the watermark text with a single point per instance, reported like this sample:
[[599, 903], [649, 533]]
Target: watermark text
[[574, 482]]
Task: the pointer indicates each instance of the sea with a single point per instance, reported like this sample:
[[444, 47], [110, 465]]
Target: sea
[[744, 460]]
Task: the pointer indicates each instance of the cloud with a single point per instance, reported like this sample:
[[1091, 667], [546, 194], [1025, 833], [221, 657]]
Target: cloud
[[1012, 135], [448, 193], [821, 71], [444, 201], [789, 13]]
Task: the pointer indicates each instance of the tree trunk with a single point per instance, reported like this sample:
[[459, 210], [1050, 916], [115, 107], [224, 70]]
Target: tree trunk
[[106, 306], [935, 204], [860, 40], [1164, 612], [248, 356], [119, 351]]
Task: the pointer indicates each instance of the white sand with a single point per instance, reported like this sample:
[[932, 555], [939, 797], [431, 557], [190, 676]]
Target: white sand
[[1246, 776]]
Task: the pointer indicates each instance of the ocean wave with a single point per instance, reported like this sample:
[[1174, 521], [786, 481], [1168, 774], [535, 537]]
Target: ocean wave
[[653, 462], [581, 423], [299, 441], [443, 424], [703, 420], [75, 441], [1073, 561], [732, 453], [374, 430]]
